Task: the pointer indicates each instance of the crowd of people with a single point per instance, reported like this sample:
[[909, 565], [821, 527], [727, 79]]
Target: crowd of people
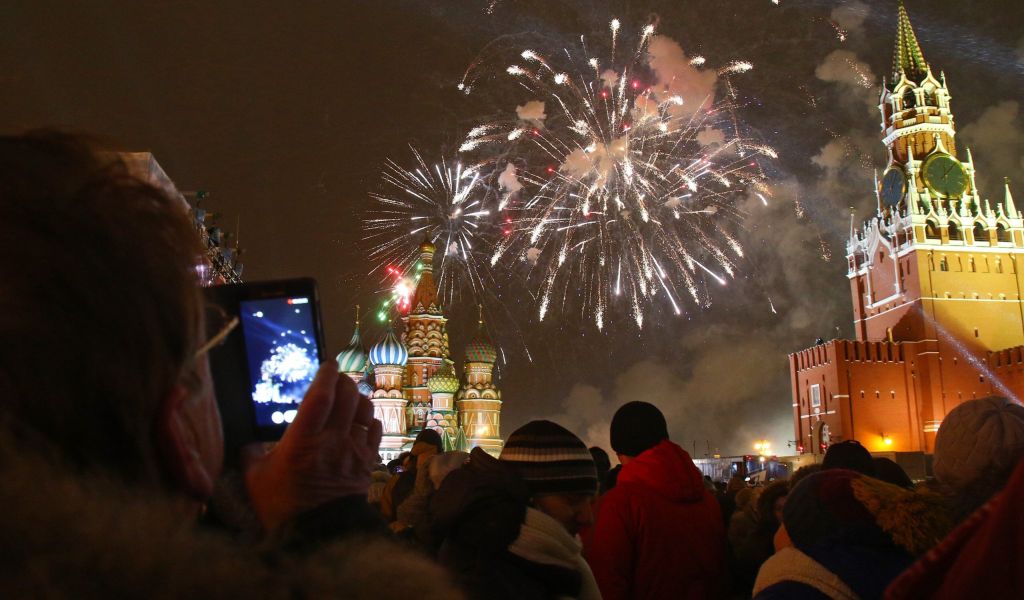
[[111, 457]]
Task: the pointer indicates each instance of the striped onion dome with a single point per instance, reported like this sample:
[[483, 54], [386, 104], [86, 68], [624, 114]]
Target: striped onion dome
[[389, 351], [444, 380], [353, 358]]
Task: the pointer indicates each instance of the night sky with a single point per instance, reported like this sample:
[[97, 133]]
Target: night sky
[[285, 112]]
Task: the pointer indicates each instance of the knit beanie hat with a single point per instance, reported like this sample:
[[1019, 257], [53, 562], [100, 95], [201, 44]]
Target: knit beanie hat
[[979, 435], [849, 455], [550, 459], [637, 426]]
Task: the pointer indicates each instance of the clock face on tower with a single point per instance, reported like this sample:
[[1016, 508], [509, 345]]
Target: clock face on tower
[[944, 175], [894, 186]]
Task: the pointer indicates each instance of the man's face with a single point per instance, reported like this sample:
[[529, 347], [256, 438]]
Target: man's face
[[571, 510]]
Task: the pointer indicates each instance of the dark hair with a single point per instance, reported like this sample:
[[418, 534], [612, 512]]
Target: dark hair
[[603, 464], [850, 455], [100, 308], [803, 472], [432, 437], [637, 426], [890, 472]]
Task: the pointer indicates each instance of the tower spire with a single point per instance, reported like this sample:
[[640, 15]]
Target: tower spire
[[1009, 209], [907, 57], [357, 316]]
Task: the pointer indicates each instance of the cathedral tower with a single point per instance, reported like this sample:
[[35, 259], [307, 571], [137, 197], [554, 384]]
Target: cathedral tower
[[388, 358], [426, 338], [479, 400], [352, 359]]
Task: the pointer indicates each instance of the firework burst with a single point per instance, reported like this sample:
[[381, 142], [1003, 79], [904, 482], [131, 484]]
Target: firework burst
[[624, 176], [441, 202]]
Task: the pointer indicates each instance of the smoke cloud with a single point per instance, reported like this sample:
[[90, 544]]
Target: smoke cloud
[[676, 76], [710, 136], [855, 78], [508, 180], [996, 141], [851, 16], [532, 112]]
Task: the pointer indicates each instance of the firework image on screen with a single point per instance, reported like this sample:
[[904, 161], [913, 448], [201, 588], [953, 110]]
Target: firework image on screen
[[281, 352]]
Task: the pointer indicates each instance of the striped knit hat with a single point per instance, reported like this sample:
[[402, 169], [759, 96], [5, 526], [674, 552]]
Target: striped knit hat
[[550, 459]]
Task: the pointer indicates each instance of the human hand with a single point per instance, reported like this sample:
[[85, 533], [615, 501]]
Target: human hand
[[326, 453]]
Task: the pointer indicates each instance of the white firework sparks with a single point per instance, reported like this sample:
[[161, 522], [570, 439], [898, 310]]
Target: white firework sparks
[[622, 196], [442, 202]]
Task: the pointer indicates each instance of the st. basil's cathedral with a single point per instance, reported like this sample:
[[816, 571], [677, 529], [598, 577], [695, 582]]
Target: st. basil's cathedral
[[413, 383]]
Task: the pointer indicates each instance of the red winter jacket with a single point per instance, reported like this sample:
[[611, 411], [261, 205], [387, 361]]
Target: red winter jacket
[[659, 533]]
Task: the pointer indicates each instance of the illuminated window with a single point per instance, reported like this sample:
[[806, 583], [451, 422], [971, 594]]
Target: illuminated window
[[816, 396]]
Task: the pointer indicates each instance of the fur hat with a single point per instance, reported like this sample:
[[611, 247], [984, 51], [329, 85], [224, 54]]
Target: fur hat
[[839, 505], [551, 459], [978, 435]]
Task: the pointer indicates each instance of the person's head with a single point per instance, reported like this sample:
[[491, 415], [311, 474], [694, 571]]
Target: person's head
[[849, 454], [977, 446], [428, 437], [840, 508], [557, 469], [888, 471], [770, 504], [101, 294], [736, 484], [636, 427], [427, 444], [603, 464], [802, 472]]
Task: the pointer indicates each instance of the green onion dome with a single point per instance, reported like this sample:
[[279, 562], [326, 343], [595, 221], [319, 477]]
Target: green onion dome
[[444, 380]]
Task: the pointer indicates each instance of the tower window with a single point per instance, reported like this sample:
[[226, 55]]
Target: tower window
[[1003, 234], [954, 232], [909, 100], [931, 231], [943, 265], [980, 234]]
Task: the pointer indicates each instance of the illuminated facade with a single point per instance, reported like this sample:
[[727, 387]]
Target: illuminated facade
[[935, 281], [413, 383]]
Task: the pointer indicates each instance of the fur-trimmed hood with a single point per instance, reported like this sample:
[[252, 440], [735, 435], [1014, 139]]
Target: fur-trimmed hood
[[70, 536]]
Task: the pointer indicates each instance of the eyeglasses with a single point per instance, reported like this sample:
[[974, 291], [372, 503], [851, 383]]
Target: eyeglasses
[[220, 324]]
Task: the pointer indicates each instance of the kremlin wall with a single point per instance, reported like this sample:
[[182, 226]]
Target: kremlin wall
[[936, 282]]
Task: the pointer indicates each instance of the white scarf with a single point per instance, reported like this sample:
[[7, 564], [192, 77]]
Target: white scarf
[[544, 540]]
